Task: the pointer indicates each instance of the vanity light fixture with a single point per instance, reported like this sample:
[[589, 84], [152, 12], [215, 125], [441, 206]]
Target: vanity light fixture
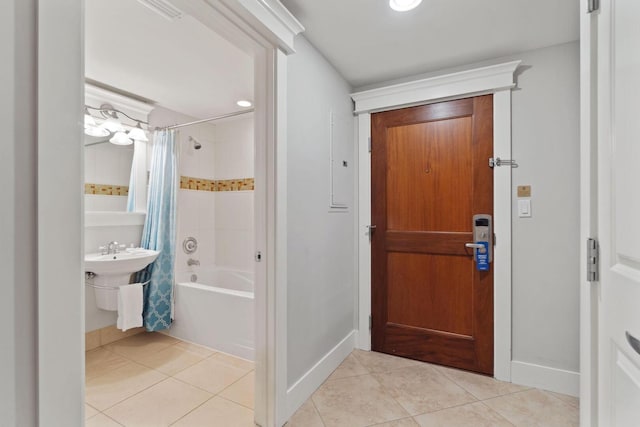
[[113, 126], [403, 5], [121, 138], [244, 103], [137, 134]]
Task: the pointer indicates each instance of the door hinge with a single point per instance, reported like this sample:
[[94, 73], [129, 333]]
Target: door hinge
[[370, 323], [593, 261], [593, 5], [369, 142]]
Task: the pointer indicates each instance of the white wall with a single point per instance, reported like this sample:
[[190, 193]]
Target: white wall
[[546, 247], [18, 297], [321, 257]]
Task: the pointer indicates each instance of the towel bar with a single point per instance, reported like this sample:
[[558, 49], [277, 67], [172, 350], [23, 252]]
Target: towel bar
[[112, 288]]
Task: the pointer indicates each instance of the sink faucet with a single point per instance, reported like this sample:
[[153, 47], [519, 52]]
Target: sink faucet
[[192, 261], [112, 248]]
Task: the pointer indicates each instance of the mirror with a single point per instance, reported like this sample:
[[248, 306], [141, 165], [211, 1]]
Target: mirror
[[108, 166]]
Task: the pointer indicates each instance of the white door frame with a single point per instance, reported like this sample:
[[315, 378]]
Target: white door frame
[[263, 27], [498, 80], [588, 217]]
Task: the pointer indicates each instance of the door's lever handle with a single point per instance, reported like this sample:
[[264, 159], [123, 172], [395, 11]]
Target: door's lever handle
[[477, 246], [633, 342]]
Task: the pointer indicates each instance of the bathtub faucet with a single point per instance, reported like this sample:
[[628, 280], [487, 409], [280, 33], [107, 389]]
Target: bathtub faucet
[[192, 261]]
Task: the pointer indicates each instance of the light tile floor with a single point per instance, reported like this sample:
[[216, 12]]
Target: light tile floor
[[375, 389], [154, 380]]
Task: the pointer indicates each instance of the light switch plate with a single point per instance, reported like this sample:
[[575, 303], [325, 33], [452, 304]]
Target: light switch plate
[[524, 208]]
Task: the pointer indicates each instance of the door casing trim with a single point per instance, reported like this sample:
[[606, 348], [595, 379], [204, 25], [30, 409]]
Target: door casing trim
[[496, 79]]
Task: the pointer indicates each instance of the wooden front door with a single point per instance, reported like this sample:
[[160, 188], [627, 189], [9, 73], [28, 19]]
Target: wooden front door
[[430, 175]]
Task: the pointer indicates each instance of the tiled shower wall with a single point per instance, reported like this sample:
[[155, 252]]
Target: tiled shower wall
[[215, 201]]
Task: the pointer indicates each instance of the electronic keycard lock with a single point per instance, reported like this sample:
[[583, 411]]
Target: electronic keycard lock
[[482, 241]]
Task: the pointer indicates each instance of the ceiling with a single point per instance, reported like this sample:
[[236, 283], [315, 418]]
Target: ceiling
[[369, 43], [181, 64]]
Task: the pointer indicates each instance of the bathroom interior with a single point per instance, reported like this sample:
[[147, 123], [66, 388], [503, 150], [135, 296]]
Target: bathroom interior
[[167, 70]]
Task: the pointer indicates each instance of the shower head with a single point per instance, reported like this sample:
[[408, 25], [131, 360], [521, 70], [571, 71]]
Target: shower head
[[196, 144]]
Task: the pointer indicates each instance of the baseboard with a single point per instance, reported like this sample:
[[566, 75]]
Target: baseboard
[[299, 392], [546, 378]]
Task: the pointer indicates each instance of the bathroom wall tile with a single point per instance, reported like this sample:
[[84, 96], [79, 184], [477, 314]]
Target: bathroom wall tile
[[234, 148], [159, 405], [234, 249], [207, 247], [92, 340], [234, 210]]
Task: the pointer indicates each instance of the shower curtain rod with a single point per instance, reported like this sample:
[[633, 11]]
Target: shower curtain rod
[[210, 119]]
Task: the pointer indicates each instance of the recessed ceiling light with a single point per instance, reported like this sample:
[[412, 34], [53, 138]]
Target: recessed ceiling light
[[244, 103], [403, 5]]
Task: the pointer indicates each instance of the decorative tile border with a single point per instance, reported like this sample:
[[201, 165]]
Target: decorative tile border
[[201, 184], [106, 189]]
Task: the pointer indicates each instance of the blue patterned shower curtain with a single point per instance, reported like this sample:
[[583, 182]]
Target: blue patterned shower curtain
[[159, 231]]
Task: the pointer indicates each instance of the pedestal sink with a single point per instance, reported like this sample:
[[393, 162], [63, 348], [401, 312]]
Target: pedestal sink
[[109, 272]]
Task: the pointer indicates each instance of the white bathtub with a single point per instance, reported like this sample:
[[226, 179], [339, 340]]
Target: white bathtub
[[215, 309]]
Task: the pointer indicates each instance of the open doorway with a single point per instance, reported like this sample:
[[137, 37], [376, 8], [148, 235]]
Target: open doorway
[[160, 68]]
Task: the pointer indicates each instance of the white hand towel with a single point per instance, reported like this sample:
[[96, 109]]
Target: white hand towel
[[130, 306]]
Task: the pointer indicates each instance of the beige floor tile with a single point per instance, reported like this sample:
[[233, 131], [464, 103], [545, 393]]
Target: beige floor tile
[[211, 375], [218, 412], [236, 362], [111, 334], [355, 401], [101, 361], [195, 348], [242, 391], [474, 414], [91, 340], [159, 405], [101, 420], [404, 422], [482, 387], [306, 416], [89, 411], [350, 367], [571, 400], [141, 345], [379, 362], [106, 390], [423, 388], [534, 408], [170, 360]]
